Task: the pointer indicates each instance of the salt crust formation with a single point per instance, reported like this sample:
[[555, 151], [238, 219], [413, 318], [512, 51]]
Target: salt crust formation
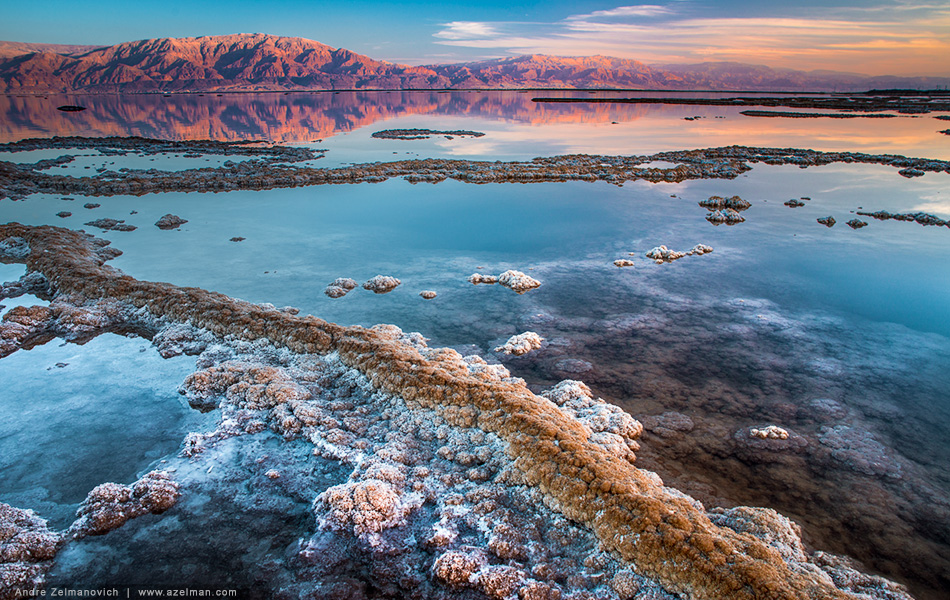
[[828, 221], [517, 281], [623, 262], [477, 278], [728, 216], [915, 217], [272, 167], [511, 279], [112, 225], [521, 344], [28, 547], [170, 221], [662, 254], [381, 284], [428, 294], [502, 449], [719, 203], [423, 134], [857, 224], [340, 287]]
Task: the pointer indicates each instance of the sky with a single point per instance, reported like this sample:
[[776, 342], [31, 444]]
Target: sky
[[876, 37]]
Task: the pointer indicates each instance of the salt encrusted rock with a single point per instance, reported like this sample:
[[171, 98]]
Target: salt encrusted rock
[[828, 221], [170, 221], [611, 427], [859, 451], [428, 294], [857, 224], [773, 529], [14, 248], [770, 432], [911, 172], [381, 284], [340, 287], [477, 278], [662, 254], [917, 217], [237, 239], [32, 283], [110, 505], [846, 576], [384, 396], [499, 581], [517, 281], [457, 569], [793, 203], [767, 444], [27, 549], [718, 203], [623, 262], [726, 215], [365, 507], [521, 344], [181, 339], [90, 205], [111, 225], [63, 214]]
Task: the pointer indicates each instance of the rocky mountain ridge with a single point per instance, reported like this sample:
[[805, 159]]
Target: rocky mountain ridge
[[260, 62]]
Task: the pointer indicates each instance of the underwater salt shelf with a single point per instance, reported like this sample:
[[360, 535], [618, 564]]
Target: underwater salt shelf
[[72, 417]]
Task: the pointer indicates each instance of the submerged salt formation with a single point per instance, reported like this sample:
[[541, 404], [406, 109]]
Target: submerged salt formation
[[662, 254], [521, 344], [381, 284], [340, 287], [564, 451], [170, 221]]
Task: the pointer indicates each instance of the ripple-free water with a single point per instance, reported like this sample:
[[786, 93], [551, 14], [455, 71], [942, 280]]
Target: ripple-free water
[[784, 312]]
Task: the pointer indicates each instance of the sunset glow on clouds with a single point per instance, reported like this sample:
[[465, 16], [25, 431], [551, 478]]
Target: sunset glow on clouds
[[905, 38]]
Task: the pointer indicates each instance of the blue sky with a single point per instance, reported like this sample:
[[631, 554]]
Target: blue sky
[[867, 36]]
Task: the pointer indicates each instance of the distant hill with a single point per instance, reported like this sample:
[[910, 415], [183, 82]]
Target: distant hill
[[11, 49], [259, 62]]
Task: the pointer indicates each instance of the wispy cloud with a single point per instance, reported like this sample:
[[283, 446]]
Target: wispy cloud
[[643, 10], [916, 44], [467, 30]]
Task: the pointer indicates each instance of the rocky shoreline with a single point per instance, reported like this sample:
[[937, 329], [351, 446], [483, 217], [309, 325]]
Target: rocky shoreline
[[276, 168], [491, 446]]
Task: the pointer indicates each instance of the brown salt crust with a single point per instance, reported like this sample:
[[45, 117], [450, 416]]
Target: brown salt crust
[[27, 549], [20, 180], [109, 505], [663, 532]]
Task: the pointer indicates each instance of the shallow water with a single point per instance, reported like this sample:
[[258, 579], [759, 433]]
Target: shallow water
[[72, 417], [784, 312]]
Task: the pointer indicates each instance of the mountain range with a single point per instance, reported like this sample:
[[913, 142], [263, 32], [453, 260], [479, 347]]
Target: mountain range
[[260, 62]]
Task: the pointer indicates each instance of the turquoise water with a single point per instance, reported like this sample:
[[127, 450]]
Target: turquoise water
[[784, 312]]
